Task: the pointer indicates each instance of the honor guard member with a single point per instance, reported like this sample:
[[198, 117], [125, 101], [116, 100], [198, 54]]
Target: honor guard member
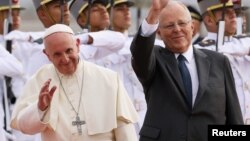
[[120, 61], [10, 67], [194, 10], [4, 15], [94, 18], [236, 48], [197, 21], [241, 8], [212, 12], [243, 64], [10, 11], [29, 52], [49, 13]]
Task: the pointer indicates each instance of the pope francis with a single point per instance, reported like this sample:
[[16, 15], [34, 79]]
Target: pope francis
[[73, 100]]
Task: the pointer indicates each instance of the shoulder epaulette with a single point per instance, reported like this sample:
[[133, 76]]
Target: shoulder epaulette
[[38, 41], [206, 43], [241, 36]]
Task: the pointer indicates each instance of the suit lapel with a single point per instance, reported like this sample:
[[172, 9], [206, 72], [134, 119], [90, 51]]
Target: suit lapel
[[203, 68], [172, 67]]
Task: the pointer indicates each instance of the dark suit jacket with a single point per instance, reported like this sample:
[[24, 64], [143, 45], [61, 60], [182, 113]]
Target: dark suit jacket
[[168, 117]]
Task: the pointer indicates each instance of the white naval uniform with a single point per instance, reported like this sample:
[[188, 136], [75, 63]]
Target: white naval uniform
[[241, 68], [11, 67], [237, 50], [31, 53], [234, 45], [104, 43], [120, 61], [22, 49]]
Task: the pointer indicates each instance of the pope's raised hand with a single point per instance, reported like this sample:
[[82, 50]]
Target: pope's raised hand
[[45, 95]]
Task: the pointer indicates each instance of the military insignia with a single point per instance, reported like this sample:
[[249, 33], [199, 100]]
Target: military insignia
[[206, 43], [38, 41]]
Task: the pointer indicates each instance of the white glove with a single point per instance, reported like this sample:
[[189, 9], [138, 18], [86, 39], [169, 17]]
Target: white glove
[[18, 35], [84, 38]]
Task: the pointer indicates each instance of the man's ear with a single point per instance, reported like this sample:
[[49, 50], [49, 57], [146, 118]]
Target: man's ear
[[158, 32], [44, 51]]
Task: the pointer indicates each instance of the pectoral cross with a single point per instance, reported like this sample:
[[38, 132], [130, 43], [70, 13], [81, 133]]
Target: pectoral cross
[[79, 124]]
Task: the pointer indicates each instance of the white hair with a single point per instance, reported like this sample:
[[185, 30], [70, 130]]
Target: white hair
[[182, 5]]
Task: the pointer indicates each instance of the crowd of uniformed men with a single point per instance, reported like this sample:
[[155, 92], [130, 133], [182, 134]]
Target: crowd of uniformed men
[[105, 41]]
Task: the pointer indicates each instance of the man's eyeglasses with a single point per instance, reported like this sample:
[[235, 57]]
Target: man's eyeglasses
[[172, 26]]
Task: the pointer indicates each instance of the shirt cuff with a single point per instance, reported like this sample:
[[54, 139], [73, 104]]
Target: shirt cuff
[[44, 117], [148, 29]]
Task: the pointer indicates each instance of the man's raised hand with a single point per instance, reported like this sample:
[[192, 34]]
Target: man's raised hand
[[155, 10]]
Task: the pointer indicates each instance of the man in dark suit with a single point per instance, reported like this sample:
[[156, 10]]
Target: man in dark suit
[[183, 98]]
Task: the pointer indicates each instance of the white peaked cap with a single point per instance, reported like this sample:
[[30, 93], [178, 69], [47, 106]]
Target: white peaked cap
[[58, 28]]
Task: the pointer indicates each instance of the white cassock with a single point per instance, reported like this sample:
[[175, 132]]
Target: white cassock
[[105, 106]]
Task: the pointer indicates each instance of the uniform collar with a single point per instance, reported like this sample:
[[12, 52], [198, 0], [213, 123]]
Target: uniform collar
[[213, 36], [125, 33], [228, 38]]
